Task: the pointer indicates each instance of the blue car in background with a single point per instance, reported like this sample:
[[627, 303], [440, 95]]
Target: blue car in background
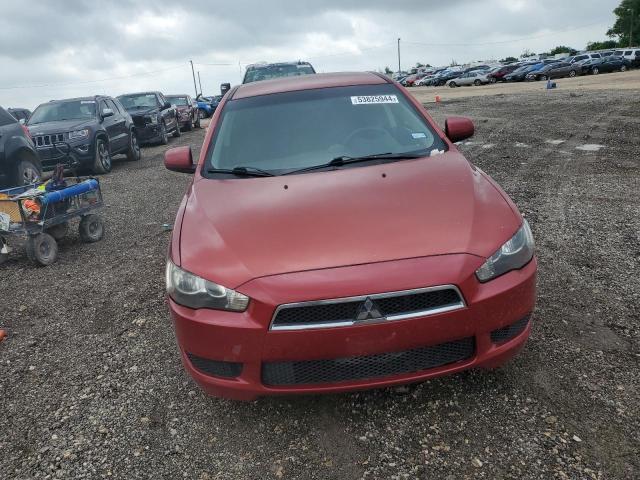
[[208, 105]]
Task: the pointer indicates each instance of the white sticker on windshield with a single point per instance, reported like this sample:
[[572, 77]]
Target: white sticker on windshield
[[419, 135], [86, 101], [371, 99]]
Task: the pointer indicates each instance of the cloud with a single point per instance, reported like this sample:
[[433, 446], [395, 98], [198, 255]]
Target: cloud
[[77, 47]]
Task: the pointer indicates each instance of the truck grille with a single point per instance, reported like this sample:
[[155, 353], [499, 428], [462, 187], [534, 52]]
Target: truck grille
[[48, 140], [365, 309], [367, 366]]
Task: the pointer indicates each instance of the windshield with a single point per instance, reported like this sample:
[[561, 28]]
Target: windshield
[[57, 111], [289, 131], [141, 100], [267, 72], [181, 101]]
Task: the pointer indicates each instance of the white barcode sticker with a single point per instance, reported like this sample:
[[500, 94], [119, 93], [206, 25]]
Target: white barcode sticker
[[371, 99]]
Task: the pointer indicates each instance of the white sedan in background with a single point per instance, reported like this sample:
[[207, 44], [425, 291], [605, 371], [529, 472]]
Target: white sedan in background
[[470, 78]]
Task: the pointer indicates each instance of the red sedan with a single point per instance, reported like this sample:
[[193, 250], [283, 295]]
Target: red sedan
[[334, 238]]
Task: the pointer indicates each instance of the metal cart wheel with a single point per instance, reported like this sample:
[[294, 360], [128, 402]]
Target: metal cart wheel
[[91, 228], [42, 248], [58, 231]]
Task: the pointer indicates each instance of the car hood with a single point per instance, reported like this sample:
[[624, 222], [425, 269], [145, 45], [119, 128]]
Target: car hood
[[239, 229], [139, 112], [60, 126]]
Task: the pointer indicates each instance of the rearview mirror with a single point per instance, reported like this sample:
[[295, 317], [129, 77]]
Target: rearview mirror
[[179, 159], [107, 112], [458, 128]]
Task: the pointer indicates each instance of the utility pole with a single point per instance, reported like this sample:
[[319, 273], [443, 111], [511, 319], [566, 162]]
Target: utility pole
[[199, 83], [194, 77], [399, 69], [631, 28]]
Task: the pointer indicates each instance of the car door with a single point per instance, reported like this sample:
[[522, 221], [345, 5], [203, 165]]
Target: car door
[[168, 114], [121, 140], [109, 124]]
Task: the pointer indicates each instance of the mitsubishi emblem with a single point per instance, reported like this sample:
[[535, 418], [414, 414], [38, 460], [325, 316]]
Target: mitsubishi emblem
[[368, 311]]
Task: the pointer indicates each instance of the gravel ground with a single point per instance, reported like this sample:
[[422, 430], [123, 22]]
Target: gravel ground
[[91, 384]]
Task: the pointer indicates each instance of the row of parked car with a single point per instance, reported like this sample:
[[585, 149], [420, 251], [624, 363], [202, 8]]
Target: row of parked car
[[526, 70], [92, 130]]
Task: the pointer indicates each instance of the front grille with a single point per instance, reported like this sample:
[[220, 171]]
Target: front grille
[[48, 140], [349, 311], [139, 121], [510, 331], [214, 367], [367, 366]]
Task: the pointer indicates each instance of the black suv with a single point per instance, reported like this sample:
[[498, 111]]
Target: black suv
[[267, 71], [153, 116], [95, 128], [19, 162]]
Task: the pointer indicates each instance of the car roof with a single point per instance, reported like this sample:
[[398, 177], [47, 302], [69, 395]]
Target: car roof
[[138, 93], [276, 64], [93, 97], [307, 82]]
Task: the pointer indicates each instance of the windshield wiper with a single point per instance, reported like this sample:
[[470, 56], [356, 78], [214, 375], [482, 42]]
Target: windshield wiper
[[242, 171], [346, 160]]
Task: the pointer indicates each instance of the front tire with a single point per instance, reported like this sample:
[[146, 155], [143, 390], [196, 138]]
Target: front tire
[[595, 71], [133, 153], [452, 85], [198, 117], [477, 83], [177, 133], [623, 68], [27, 172], [164, 137], [572, 73], [42, 249], [102, 161]]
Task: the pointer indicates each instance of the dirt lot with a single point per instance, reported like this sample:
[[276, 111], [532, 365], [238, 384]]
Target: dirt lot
[[91, 384]]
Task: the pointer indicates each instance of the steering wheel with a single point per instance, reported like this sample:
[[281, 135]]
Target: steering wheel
[[375, 131]]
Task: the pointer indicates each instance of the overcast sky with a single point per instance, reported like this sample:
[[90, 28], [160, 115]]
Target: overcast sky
[[60, 49]]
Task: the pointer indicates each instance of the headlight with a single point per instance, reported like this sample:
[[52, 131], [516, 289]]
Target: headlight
[[194, 292], [79, 134], [514, 254], [152, 119]]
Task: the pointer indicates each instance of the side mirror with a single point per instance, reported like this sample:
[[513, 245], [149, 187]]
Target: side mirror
[[179, 159], [22, 121], [107, 112], [458, 128], [166, 105]]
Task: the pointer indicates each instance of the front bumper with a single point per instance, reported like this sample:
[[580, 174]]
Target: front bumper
[[84, 152], [148, 132], [238, 347]]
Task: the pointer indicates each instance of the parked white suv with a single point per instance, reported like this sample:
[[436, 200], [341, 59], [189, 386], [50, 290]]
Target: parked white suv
[[631, 53]]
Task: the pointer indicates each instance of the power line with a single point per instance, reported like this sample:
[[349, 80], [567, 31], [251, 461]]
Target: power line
[[501, 42], [86, 82]]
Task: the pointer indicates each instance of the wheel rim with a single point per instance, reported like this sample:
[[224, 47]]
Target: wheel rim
[[93, 228], [572, 73], [596, 71], [623, 68], [105, 158], [30, 175], [44, 249], [134, 145]]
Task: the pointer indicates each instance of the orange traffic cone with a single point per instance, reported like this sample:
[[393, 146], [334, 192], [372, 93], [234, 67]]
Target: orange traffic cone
[[2, 335], [437, 98]]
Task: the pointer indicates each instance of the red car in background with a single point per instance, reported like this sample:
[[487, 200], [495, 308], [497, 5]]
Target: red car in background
[[498, 75], [187, 111], [333, 238]]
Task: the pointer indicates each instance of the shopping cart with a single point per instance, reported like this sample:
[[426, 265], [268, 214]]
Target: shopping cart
[[39, 215]]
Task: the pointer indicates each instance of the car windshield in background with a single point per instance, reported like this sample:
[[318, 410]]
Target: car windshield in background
[[58, 111], [267, 72], [180, 101], [283, 132], [144, 100]]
